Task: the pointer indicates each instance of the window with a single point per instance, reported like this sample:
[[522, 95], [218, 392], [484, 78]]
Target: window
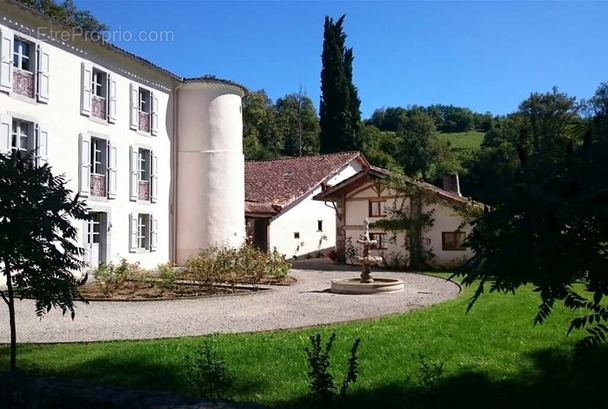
[[143, 165], [377, 208], [24, 67], [17, 134], [99, 83], [296, 235], [453, 240], [380, 239], [144, 232], [144, 181], [144, 100], [98, 156], [143, 174], [22, 54], [144, 107], [319, 225], [20, 136], [99, 167], [98, 173], [98, 93]]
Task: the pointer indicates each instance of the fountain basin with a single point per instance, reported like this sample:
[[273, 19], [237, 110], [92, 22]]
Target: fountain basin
[[355, 286]]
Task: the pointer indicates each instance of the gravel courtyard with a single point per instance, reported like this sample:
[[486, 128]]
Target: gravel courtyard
[[305, 303]]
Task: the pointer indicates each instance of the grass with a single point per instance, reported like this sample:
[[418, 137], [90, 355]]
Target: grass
[[463, 141], [492, 356]]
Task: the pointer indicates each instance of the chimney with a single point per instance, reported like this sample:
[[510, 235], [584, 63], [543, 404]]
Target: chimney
[[451, 183]]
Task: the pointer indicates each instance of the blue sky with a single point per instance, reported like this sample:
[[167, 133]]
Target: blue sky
[[487, 56]]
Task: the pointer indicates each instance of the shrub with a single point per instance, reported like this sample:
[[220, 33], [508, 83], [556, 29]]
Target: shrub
[[430, 373], [244, 264], [207, 374], [111, 277], [167, 274], [321, 380]]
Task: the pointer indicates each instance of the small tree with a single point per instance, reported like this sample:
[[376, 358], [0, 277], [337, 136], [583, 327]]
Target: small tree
[[38, 253]]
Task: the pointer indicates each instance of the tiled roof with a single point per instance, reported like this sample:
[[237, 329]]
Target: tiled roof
[[270, 185], [376, 172]]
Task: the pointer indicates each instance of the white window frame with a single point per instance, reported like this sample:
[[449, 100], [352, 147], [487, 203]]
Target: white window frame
[[99, 82], [143, 232], [17, 135], [21, 55], [99, 167], [144, 165], [37, 136]]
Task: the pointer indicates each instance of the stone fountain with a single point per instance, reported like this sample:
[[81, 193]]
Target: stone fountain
[[366, 283]]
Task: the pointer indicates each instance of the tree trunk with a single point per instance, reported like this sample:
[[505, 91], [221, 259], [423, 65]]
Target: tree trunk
[[11, 316]]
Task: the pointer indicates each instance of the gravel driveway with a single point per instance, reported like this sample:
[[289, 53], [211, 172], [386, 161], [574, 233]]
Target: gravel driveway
[[305, 303]]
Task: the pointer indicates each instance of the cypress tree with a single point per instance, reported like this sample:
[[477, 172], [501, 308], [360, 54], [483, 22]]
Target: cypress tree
[[339, 112]]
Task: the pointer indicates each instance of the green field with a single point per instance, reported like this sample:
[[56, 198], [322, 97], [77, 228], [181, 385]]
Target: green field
[[493, 357], [463, 141]]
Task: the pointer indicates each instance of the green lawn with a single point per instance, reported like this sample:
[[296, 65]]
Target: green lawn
[[492, 356], [463, 141]]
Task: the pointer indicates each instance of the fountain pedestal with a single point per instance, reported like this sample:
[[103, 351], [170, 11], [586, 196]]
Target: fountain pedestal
[[366, 284]]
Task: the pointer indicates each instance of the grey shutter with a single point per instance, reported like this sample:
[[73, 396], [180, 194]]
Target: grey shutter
[[43, 75], [153, 233], [42, 140], [6, 124], [6, 60], [133, 245], [85, 164], [111, 99], [112, 171], [134, 92], [134, 177], [154, 114], [87, 91], [153, 177]]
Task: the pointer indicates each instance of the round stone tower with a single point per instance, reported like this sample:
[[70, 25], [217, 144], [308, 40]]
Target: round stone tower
[[210, 166]]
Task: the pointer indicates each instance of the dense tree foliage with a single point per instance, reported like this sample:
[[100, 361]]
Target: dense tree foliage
[[416, 134], [549, 221], [69, 13], [447, 118], [38, 251], [339, 109], [289, 127]]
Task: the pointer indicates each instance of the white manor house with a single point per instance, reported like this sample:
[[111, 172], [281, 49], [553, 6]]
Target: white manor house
[[157, 157]]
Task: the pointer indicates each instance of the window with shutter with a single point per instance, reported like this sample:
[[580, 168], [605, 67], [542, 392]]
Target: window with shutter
[[112, 171], [43, 75], [6, 60], [133, 232], [85, 164]]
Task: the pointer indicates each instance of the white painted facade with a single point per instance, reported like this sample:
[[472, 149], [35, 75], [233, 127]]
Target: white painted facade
[[445, 220], [295, 231], [161, 168]]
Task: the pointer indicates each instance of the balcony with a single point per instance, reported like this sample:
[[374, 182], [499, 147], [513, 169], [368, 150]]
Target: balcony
[[144, 121], [23, 82], [98, 185], [98, 107], [143, 190]]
